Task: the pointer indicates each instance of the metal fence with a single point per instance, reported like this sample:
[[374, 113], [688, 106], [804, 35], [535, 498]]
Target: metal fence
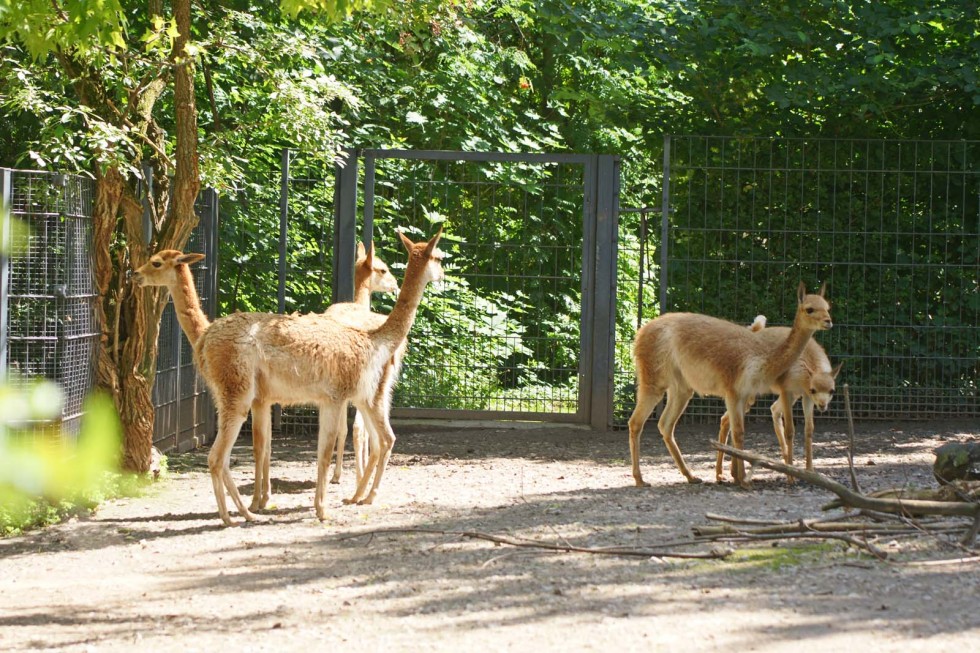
[[893, 227], [47, 287]]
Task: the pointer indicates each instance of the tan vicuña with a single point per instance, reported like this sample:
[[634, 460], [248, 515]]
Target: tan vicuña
[[811, 378], [253, 360], [685, 353]]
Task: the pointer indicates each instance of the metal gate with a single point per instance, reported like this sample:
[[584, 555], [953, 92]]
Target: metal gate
[[523, 327]]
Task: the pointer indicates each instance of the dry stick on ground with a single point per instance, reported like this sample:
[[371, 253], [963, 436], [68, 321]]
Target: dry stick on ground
[[906, 507], [532, 544], [850, 434]]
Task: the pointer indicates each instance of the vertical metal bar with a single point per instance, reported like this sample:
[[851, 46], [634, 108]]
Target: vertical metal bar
[[283, 228], [604, 331], [346, 230], [211, 251], [367, 229], [283, 245], [664, 227], [147, 198], [586, 358], [5, 245]]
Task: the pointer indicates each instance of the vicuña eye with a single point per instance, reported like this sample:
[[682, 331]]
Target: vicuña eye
[[809, 311], [157, 264]]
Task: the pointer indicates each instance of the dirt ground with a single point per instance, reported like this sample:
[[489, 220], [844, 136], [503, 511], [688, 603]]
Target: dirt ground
[[159, 572]]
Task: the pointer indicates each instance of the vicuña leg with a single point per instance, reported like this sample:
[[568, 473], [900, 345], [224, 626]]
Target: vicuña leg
[[736, 415], [361, 439], [338, 454], [808, 431], [646, 400], [677, 400], [219, 463], [376, 420], [262, 452], [332, 422]]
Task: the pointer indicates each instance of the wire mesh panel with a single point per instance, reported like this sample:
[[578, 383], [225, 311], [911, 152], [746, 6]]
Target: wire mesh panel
[[51, 327], [503, 335], [184, 417], [893, 227], [307, 250]]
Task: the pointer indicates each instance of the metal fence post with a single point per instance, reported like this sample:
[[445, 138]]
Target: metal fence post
[[604, 316], [345, 225], [367, 230], [5, 236], [664, 227]]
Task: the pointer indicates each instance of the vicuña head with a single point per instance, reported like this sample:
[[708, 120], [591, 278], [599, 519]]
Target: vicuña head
[[371, 275]]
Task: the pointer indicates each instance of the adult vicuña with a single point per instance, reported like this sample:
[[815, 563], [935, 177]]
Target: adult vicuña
[[252, 360], [370, 275], [810, 377], [683, 353]]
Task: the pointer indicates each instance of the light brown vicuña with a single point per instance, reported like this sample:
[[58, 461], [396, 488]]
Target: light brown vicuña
[[811, 378], [370, 275], [253, 360], [683, 353]]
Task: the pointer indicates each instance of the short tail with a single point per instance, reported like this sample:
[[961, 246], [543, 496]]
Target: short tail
[[759, 324]]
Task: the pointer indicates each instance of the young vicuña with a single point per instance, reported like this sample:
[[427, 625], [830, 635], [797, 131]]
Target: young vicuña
[[683, 353], [811, 378]]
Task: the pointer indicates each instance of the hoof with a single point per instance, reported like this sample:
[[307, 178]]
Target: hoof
[[641, 483], [694, 480], [349, 502], [335, 481]]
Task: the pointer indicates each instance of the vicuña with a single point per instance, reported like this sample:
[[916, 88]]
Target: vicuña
[[685, 353]]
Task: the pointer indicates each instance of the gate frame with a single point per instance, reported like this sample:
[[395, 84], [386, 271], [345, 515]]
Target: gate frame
[[600, 219]]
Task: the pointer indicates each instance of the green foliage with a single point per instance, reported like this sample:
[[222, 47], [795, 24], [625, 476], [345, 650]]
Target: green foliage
[[43, 475]]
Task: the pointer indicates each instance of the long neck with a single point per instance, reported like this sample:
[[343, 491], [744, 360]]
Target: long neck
[[789, 350], [362, 290], [399, 322], [187, 304]]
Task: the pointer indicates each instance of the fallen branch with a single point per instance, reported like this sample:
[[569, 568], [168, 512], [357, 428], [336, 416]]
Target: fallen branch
[[745, 536], [850, 440], [853, 499], [648, 552]]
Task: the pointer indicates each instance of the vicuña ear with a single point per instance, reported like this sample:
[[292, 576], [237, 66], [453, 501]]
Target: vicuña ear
[[834, 372], [370, 254], [360, 250], [405, 241], [800, 292], [433, 242], [188, 259], [823, 289]]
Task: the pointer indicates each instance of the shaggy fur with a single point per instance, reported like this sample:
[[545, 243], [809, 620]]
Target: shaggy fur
[[683, 353], [254, 360], [811, 378]]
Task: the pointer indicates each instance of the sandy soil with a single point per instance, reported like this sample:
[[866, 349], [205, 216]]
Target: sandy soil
[[160, 573]]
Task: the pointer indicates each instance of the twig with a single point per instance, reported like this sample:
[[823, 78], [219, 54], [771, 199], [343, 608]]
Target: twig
[[740, 520], [850, 434], [937, 563], [861, 544], [854, 499], [525, 543]]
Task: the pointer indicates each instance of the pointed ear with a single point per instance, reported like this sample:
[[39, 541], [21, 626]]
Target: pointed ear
[[433, 242], [823, 289], [360, 250], [834, 372], [405, 241], [188, 259], [800, 292], [370, 254]]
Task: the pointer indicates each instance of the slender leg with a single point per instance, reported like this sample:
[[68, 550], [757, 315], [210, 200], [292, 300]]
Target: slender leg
[[646, 400], [360, 436], [262, 452], [736, 413], [720, 456], [786, 401], [332, 420], [777, 426], [338, 467], [808, 431], [385, 438], [677, 400], [219, 464]]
